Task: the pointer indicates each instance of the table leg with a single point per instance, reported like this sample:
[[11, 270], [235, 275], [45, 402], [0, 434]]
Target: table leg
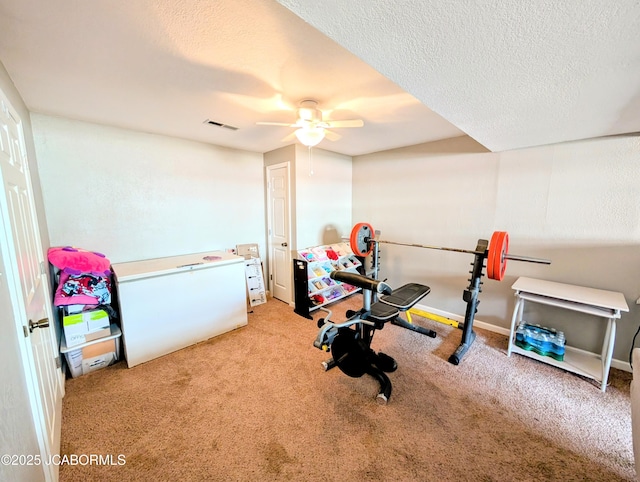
[[607, 351], [517, 316]]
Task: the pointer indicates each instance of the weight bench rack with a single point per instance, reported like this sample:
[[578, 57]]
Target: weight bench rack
[[350, 341]]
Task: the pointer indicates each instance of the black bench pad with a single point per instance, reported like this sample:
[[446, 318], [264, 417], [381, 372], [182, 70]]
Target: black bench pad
[[382, 312], [406, 296]]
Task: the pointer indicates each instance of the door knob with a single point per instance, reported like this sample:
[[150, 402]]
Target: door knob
[[43, 323], [284, 244]]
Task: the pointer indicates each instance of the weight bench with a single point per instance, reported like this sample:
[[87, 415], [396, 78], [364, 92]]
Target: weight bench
[[350, 341]]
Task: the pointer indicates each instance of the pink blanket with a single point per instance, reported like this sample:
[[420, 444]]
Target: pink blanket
[[77, 261]]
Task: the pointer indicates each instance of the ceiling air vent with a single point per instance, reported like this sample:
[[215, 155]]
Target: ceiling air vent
[[220, 124]]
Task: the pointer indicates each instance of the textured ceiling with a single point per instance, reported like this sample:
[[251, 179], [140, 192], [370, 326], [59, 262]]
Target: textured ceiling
[[509, 73], [165, 66]]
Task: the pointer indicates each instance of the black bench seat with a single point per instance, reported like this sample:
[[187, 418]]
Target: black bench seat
[[401, 299], [406, 296]]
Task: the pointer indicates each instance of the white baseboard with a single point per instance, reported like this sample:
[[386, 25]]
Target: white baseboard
[[619, 364]]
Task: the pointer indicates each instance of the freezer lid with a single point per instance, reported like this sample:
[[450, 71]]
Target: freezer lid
[[147, 268]]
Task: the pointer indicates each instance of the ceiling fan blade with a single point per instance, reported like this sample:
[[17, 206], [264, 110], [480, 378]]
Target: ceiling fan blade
[[290, 137], [345, 123], [286, 124], [332, 136]]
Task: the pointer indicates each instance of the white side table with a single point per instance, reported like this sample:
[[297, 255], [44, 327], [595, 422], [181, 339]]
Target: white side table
[[601, 303]]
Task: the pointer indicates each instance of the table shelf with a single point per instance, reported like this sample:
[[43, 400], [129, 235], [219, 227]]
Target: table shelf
[[595, 302], [575, 361]]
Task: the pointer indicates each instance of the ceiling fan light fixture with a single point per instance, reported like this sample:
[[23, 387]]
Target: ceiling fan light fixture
[[310, 136]]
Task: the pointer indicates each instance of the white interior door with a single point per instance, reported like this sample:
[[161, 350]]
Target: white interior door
[[279, 234], [28, 282]]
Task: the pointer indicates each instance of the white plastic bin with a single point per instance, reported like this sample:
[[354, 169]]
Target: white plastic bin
[[92, 355]]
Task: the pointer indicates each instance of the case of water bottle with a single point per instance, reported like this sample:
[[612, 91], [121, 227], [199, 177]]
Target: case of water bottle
[[541, 340]]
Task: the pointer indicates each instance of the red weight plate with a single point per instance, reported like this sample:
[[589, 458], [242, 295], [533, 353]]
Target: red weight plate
[[491, 254], [503, 255], [497, 256], [496, 261], [357, 239]]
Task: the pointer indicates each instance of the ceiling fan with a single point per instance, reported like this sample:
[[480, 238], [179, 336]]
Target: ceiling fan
[[311, 127]]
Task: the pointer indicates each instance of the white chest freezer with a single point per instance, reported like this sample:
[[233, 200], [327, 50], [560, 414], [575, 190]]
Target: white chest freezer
[[170, 303]]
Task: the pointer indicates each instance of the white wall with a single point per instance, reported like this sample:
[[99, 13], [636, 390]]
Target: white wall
[[132, 195], [576, 204], [323, 196]]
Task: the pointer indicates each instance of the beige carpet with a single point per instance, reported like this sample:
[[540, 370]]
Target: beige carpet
[[256, 405]]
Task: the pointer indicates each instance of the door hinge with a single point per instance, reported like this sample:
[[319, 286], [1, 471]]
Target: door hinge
[[271, 277], [42, 268], [25, 330], [58, 362]]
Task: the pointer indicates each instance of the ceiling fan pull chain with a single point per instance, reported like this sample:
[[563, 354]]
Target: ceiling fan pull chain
[[310, 164]]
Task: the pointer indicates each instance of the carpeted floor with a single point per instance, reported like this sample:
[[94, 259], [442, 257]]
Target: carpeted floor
[[255, 405]]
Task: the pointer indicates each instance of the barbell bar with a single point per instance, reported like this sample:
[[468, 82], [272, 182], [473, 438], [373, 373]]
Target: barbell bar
[[362, 239]]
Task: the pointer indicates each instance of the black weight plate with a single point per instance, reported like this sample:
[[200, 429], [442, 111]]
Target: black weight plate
[[350, 353]]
